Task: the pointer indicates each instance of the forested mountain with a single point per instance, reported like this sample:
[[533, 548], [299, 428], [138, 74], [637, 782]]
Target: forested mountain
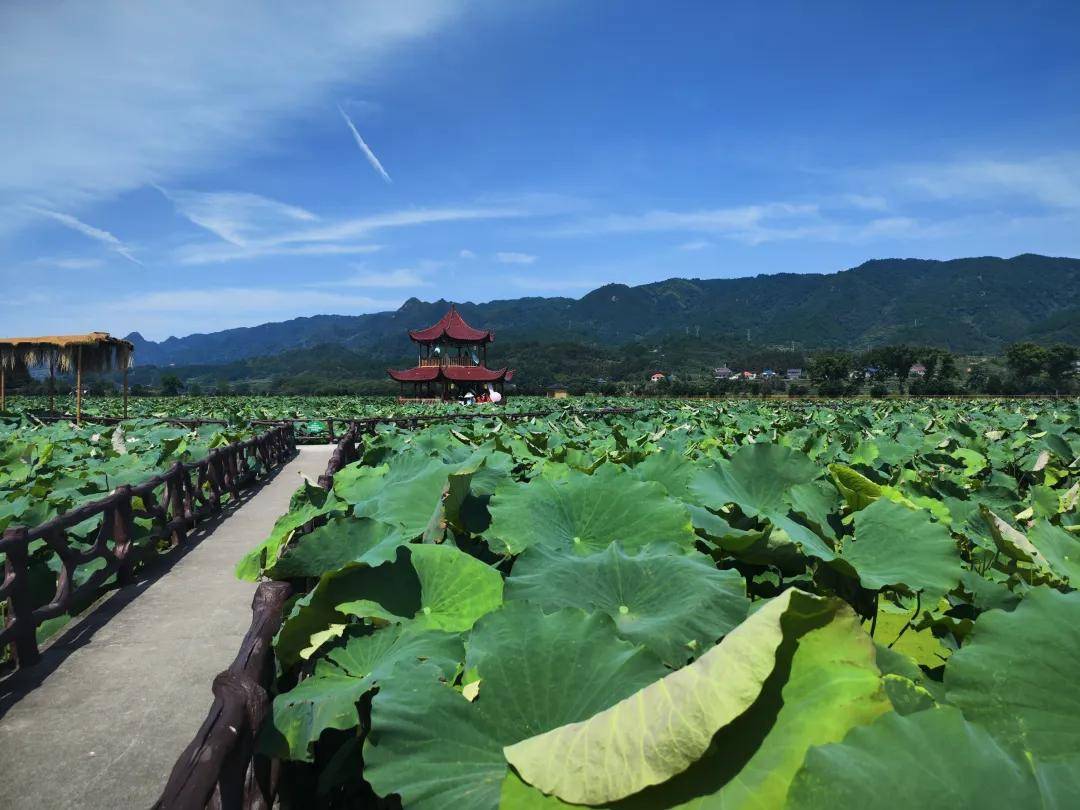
[[966, 305]]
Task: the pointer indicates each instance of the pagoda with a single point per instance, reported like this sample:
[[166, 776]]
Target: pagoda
[[451, 363]]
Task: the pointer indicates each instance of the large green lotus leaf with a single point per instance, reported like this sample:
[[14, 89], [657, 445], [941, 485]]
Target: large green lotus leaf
[[664, 728], [1013, 543], [393, 586], [357, 482], [897, 546], [675, 603], [408, 493], [930, 759], [536, 672], [833, 687], [328, 698], [456, 589], [669, 468], [1016, 675], [1060, 549], [338, 542], [586, 513], [307, 503], [858, 490], [816, 502], [451, 590], [823, 686], [756, 478]]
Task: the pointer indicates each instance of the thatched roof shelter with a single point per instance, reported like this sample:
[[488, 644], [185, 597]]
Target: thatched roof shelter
[[96, 351], [99, 351]]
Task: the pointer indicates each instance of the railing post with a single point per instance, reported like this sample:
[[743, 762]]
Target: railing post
[[20, 607], [330, 428], [175, 503], [122, 530]]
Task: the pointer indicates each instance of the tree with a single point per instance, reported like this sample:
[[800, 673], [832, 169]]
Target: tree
[[1026, 360], [895, 361], [831, 371], [171, 385], [1060, 363], [831, 366]]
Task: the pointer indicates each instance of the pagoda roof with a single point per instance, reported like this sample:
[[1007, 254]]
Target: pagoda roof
[[454, 373], [452, 326]]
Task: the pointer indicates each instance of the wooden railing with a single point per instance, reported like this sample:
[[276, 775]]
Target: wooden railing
[[443, 362], [174, 502]]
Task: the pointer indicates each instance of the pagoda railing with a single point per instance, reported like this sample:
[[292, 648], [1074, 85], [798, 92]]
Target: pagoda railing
[[443, 362]]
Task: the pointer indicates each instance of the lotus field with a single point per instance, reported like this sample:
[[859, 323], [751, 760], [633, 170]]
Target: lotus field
[[700, 605]]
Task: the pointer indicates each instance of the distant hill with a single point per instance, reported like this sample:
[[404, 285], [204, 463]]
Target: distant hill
[[967, 305]]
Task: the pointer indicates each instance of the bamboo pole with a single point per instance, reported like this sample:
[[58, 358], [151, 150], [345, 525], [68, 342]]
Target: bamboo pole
[[3, 393], [78, 388], [125, 392], [52, 382]]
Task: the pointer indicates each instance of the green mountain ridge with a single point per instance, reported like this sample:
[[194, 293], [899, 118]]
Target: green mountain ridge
[[975, 305]]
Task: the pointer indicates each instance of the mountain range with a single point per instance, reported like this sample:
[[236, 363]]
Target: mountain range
[[974, 305]]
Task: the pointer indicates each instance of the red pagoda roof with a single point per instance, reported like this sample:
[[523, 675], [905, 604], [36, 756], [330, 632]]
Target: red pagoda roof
[[454, 373], [452, 326]]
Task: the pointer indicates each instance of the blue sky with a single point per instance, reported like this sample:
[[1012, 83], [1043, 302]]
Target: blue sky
[[178, 167]]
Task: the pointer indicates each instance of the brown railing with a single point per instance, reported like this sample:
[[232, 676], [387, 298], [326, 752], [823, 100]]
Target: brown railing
[[173, 501], [443, 362], [221, 767]]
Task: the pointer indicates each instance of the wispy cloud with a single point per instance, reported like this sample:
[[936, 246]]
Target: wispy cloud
[[696, 244], [238, 217], [466, 254], [1050, 180], [510, 257], [182, 87], [97, 234], [69, 263], [251, 226], [218, 253], [374, 161], [403, 277]]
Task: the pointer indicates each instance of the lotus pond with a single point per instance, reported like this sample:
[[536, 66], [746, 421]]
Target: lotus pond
[[709, 605]]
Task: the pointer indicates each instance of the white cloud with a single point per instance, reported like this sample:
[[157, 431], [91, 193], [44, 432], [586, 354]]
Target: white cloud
[[697, 244], [113, 95], [252, 226], [388, 279], [745, 222], [237, 217], [466, 254], [97, 234], [69, 263], [217, 253], [1051, 180], [374, 161], [509, 257]]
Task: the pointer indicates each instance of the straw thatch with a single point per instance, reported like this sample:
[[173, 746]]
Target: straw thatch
[[99, 352]]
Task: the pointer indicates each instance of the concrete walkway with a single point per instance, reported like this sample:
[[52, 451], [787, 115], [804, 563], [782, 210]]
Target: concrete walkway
[[101, 720]]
